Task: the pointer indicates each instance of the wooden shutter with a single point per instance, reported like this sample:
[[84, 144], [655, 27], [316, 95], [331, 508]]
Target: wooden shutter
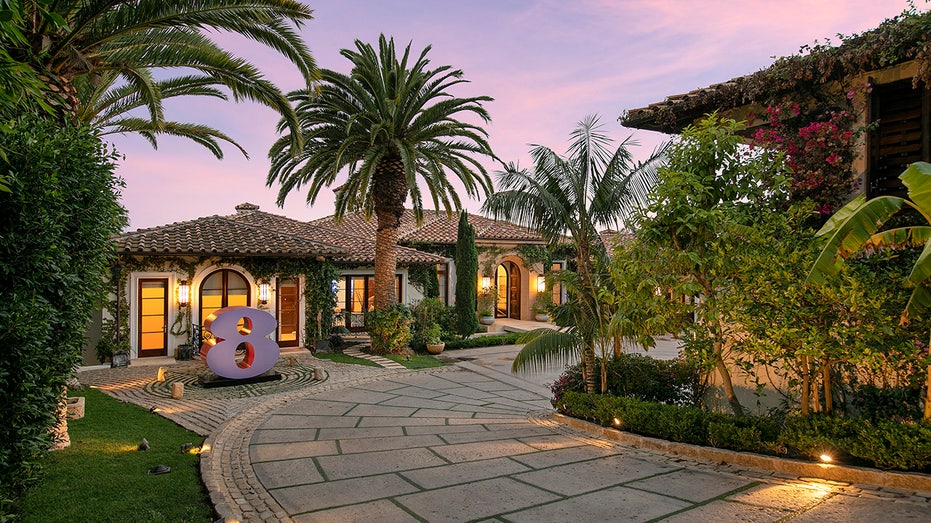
[[901, 137]]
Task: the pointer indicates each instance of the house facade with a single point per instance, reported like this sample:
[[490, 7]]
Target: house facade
[[885, 72], [309, 276]]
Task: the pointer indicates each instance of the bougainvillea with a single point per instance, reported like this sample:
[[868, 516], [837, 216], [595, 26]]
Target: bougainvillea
[[819, 144]]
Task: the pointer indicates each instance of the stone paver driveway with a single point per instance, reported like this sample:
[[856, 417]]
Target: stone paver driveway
[[457, 445]]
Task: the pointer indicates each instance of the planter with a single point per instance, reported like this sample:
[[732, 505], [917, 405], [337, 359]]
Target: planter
[[120, 358], [486, 320], [322, 346], [185, 351], [435, 348], [75, 407], [542, 317]]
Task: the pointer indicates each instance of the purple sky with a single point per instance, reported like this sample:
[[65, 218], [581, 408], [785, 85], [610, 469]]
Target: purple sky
[[547, 64]]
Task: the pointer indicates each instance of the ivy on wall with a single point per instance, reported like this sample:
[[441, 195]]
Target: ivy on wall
[[425, 279]]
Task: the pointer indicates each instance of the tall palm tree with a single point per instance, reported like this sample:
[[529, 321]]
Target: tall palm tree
[[857, 226], [593, 187], [68, 42], [380, 130]]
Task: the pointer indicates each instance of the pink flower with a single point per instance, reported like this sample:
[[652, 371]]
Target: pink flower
[[833, 160]]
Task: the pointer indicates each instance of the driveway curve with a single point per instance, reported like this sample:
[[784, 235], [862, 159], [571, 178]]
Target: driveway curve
[[468, 443]]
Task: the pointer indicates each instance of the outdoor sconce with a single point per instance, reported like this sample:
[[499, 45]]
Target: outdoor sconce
[[263, 293], [486, 282], [541, 283], [184, 293]]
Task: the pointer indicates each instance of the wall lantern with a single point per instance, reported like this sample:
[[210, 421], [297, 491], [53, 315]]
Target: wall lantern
[[184, 293], [263, 293], [486, 282], [541, 283]]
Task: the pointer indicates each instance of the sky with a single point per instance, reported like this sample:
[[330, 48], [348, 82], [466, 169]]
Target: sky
[[547, 64]]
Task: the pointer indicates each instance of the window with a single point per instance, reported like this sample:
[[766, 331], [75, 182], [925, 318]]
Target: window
[[901, 137], [557, 288], [355, 295], [223, 288]]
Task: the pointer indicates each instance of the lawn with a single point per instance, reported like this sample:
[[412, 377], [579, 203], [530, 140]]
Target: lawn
[[102, 477]]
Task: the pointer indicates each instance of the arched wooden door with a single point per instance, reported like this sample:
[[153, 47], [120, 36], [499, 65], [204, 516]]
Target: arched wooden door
[[507, 281]]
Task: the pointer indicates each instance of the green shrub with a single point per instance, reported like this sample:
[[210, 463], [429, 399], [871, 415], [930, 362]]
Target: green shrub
[[389, 328], [509, 338], [466, 278], [55, 249], [887, 445]]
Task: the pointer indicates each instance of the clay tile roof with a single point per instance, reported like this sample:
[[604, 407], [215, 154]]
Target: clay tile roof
[[437, 227], [220, 235], [251, 232]]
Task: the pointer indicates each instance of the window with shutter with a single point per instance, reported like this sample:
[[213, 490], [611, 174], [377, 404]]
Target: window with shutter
[[901, 137]]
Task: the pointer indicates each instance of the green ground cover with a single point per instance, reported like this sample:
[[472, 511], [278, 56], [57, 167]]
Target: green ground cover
[[102, 477]]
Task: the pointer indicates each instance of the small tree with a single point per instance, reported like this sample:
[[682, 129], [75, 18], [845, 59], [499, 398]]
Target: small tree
[[466, 274]]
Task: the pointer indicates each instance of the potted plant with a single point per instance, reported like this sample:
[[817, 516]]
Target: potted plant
[[486, 306], [433, 337], [541, 306]]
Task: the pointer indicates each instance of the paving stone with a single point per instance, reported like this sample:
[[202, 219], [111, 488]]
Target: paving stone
[[381, 511], [350, 446], [786, 497], [691, 485], [292, 421], [474, 500], [372, 463], [296, 449], [444, 476], [550, 441], [283, 435], [728, 511], [482, 450], [381, 410], [846, 508], [376, 421], [578, 478], [615, 504], [276, 474], [342, 433], [305, 498], [552, 458]]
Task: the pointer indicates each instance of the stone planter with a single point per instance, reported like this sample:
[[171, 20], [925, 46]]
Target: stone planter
[[75, 407], [185, 352], [486, 320], [542, 317], [435, 348], [120, 358]]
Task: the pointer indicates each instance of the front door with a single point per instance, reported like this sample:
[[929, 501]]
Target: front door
[[513, 291], [153, 317], [287, 313]]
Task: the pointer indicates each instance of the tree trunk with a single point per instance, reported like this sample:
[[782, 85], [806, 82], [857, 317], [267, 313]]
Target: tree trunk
[[927, 416], [726, 382], [826, 378], [806, 386], [389, 190], [588, 364], [386, 259]]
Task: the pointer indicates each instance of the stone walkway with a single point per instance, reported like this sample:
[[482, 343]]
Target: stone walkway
[[463, 443]]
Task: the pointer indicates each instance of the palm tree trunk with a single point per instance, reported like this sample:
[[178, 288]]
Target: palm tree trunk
[[588, 364], [826, 377], [806, 386], [386, 259]]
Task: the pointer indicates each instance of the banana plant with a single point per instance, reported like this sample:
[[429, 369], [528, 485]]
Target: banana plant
[[857, 227]]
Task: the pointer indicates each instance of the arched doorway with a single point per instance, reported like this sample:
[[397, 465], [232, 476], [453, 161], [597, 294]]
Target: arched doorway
[[507, 283], [223, 288]]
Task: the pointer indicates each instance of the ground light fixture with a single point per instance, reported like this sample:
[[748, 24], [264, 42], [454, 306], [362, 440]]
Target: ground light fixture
[[825, 458], [184, 293]]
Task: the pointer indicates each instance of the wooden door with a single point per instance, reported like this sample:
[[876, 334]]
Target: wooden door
[[288, 310], [513, 291], [153, 317]]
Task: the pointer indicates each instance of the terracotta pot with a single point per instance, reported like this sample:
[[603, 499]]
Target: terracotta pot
[[435, 348]]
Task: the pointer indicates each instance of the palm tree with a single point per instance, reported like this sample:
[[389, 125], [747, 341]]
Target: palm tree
[[67, 43], [388, 125], [593, 187], [107, 107], [856, 226]]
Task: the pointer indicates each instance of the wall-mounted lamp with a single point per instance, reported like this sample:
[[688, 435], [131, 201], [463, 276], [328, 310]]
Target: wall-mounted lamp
[[263, 293], [541, 283], [486, 282], [184, 293]]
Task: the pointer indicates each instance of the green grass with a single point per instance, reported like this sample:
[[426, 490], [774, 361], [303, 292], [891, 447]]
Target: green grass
[[101, 477], [337, 357], [417, 361]]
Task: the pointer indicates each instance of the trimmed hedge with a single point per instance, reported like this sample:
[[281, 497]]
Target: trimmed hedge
[[55, 228], [885, 445], [493, 340]]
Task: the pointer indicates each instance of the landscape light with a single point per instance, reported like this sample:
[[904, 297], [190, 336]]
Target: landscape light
[[617, 422], [826, 458]]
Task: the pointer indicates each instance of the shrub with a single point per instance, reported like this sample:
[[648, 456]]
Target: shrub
[[466, 275], [484, 341], [389, 328], [55, 228]]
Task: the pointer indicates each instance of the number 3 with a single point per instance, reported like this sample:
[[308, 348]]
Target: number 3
[[220, 354]]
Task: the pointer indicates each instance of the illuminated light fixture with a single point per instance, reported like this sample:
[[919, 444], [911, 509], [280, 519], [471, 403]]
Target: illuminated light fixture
[[486, 282], [617, 422], [541, 283], [825, 458], [263, 293], [184, 293]]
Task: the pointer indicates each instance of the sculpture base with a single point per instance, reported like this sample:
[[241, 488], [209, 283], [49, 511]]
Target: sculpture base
[[210, 381]]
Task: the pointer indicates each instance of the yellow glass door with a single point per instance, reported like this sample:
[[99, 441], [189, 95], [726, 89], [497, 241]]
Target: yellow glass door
[[287, 313], [153, 317]]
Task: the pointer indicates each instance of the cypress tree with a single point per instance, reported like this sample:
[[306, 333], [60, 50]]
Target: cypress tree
[[466, 274]]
